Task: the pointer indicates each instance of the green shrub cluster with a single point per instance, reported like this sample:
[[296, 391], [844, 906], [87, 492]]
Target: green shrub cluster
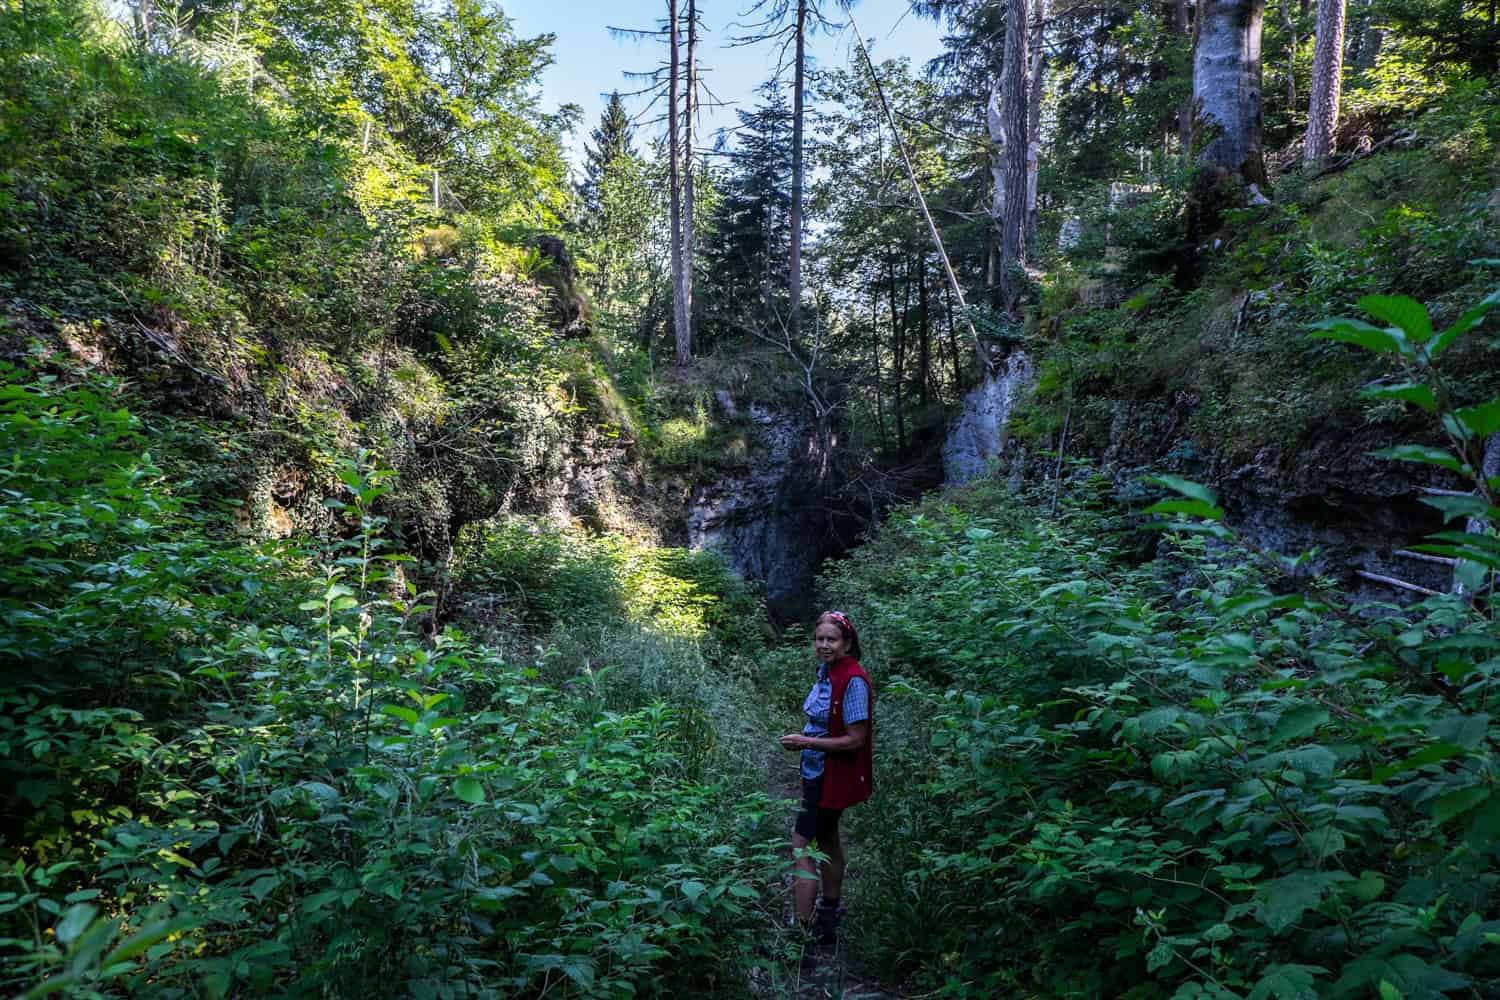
[[1187, 776], [235, 769], [243, 255], [545, 578]]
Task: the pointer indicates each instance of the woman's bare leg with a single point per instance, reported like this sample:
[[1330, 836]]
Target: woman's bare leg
[[804, 879], [833, 868]]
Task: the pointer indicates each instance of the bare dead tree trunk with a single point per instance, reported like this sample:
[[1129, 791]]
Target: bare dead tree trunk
[[996, 124], [875, 350], [682, 334], [924, 328], [799, 85], [898, 348], [1013, 122], [1185, 113], [689, 110], [1034, 120], [1327, 82], [1227, 85], [1364, 38], [145, 14], [958, 373], [1289, 26]]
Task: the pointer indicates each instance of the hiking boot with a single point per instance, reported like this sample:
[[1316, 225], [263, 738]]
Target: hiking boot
[[825, 923]]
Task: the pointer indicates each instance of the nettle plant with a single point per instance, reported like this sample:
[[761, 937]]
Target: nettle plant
[[1197, 776], [252, 774]]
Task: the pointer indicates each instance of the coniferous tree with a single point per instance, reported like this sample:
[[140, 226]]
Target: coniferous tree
[[611, 138], [745, 258]]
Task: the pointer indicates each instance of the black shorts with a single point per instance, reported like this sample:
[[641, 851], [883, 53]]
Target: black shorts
[[814, 822]]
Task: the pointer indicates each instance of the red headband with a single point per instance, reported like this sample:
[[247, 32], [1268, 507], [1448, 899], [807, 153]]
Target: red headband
[[841, 620]]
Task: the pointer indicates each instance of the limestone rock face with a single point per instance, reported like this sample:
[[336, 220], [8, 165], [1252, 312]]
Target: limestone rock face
[[977, 437], [768, 522]]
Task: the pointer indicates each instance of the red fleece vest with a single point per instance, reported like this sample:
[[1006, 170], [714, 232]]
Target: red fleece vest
[[848, 777]]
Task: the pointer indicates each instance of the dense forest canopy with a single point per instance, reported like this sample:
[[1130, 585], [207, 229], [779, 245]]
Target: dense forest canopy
[[397, 520]]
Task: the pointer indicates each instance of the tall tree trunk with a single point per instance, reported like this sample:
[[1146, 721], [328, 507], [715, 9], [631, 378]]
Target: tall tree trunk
[[1327, 82], [145, 16], [1289, 28], [924, 336], [958, 372], [1363, 38], [1184, 113], [799, 85], [1227, 85], [996, 123], [1034, 120], [898, 346], [681, 332], [1013, 117], [689, 110], [875, 350]]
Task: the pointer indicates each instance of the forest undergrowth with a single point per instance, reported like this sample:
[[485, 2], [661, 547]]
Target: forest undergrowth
[[1129, 759], [235, 766]]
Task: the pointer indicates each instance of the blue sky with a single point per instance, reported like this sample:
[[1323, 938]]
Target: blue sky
[[589, 62]]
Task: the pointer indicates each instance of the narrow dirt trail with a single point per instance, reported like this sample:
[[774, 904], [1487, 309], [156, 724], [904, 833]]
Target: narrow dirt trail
[[829, 975]]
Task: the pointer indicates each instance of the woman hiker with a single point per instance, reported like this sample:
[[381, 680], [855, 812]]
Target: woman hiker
[[836, 767]]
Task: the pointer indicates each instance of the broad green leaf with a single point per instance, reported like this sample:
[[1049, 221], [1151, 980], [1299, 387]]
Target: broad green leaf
[[469, 790], [1462, 506], [1282, 901], [1288, 982], [399, 712], [1410, 392], [74, 922], [1188, 488], [1324, 842], [1297, 722], [692, 889], [1477, 421], [1424, 455], [1238, 607], [1468, 321], [1388, 991], [1462, 729], [1462, 550], [1400, 311], [1192, 508], [1434, 754], [1371, 338], [1457, 803]]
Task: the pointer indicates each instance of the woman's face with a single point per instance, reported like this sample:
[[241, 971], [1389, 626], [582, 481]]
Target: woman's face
[[829, 642]]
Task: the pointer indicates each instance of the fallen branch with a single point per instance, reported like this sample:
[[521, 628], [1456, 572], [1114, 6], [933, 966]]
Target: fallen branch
[[1391, 581], [1442, 560], [1351, 159]]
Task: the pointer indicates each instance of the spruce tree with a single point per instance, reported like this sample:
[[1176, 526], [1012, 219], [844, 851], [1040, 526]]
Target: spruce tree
[[611, 139]]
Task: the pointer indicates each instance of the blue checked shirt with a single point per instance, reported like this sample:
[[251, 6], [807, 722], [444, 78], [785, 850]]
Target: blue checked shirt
[[856, 709]]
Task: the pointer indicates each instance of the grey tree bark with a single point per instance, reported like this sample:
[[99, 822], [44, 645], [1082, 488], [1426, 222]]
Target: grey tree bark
[[1013, 117], [1327, 82], [682, 334], [1364, 38], [1185, 113], [1289, 25], [799, 84], [1034, 118], [1227, 85], [689, 110]]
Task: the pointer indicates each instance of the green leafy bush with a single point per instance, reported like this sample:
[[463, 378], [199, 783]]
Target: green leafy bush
[[234, 768], [1185, 777]]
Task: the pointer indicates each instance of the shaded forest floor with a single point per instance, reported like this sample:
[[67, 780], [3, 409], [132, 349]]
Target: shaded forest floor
[[833, 970]]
